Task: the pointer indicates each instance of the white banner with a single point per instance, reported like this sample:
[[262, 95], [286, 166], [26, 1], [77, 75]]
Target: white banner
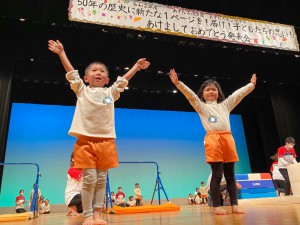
[[173, 20]]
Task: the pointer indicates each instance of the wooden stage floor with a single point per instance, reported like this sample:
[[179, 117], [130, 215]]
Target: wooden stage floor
[[267, 211]]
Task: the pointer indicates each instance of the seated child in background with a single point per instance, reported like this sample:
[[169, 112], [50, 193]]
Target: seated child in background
[[197, 198], [20, 201], [120, 198], [113, 197], [131, 202], [45, 207], [192, 199]]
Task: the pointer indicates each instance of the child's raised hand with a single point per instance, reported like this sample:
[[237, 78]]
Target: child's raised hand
[[143, 64], [55, 46], [253, 79], [173, 76]]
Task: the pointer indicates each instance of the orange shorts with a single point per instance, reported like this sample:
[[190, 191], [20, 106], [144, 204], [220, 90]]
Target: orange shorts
[[99, 153], [220, 147]]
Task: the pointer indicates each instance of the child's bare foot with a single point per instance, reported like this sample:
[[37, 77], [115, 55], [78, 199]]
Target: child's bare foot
[[98, 219], [220, 211], [237, 210], [89, 221]]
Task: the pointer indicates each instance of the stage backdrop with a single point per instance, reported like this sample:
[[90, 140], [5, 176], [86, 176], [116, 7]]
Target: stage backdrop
[[38, 133]]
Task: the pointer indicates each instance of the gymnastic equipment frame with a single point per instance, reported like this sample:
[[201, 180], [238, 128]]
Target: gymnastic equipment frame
[[33, 206], [158, 184]]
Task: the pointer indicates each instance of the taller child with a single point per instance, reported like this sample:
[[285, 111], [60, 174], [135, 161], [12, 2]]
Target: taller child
[[219, 144]]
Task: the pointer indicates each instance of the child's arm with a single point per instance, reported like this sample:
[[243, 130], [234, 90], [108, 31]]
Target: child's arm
[[141, 64], [236, 97], [58, 48], [186, 91]]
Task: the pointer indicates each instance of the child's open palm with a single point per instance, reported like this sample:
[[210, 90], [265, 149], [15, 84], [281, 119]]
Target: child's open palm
[[55, 46]]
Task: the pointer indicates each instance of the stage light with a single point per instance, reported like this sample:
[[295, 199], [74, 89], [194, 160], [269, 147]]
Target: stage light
[[32, 60], [160, 73], [141, 37], [126, 68], [174, 91], [22, 20], [127, 88], [195, 75]]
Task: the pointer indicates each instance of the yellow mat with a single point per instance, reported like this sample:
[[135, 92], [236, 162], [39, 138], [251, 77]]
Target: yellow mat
[[145, 209], [14, 217]]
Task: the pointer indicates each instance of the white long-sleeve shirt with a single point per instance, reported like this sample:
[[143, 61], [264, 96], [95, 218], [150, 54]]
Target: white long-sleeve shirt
[[94, 113], [218, 111]]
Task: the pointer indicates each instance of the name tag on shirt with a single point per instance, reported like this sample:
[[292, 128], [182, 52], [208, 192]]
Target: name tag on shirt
[[212, 119], [107, 100]]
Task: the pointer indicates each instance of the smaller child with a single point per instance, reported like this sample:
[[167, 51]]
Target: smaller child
[[131, 202], [203, 193], [192, 199], [20, 201], [120, 197], [138, 194], [45, 207]]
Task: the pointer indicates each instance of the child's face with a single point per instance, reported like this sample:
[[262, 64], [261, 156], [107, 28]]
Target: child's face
[[289, 146], [96, 76], [210, 93]]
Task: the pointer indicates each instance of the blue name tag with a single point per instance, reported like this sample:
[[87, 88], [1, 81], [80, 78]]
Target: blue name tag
[[107, 100], [212, 119]]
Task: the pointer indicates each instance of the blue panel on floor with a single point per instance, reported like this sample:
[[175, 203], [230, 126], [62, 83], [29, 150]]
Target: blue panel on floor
[[257, 190], [241, 177], [256, 183], [260, 195]]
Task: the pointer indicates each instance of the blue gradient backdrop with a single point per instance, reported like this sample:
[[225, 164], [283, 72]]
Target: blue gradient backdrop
[[38, 133]]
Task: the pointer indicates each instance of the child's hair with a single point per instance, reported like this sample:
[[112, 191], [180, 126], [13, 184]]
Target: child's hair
[[136, 184], [95, 62], [290, 140], [21, 191], [119, 188], [274, 157], [131, 197], [202, 182], [221, 96]]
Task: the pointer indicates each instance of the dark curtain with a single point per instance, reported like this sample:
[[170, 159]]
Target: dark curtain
[[285, 102], [6, 74]]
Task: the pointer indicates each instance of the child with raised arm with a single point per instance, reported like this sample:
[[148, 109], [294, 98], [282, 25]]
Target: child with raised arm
[[220, 150], [93, 125]]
